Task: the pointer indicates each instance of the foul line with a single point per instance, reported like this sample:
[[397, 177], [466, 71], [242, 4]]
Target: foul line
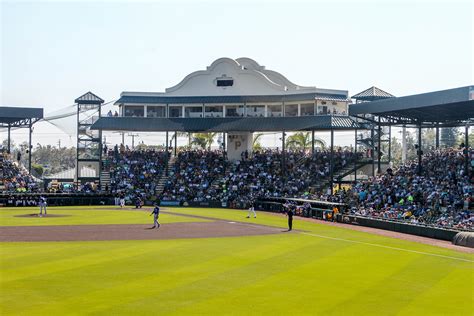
[[388, 247]]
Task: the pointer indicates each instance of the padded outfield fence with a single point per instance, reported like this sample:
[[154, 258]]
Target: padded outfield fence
[[56, 199]]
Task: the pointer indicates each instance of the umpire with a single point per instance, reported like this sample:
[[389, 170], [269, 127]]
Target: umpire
[[290, 214]]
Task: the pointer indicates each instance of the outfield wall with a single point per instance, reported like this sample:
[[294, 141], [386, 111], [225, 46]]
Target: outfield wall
[[406, 228]]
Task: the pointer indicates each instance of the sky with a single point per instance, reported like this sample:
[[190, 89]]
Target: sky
[[54, 51]]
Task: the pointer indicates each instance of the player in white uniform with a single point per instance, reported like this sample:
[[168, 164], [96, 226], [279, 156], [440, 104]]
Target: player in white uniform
[[42, 204], [252, 210]]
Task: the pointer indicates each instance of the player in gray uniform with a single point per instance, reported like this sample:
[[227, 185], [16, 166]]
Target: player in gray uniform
[[156, 214], [42, 204]]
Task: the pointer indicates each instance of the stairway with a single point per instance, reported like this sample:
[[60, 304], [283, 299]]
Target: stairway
[[350, 168], [165, 176], [105, 174], [104, 179]]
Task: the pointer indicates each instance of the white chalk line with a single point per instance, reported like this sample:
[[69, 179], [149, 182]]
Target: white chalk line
[[388, 247]]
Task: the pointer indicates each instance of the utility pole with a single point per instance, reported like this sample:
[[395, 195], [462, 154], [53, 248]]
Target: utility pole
[[133, 139]]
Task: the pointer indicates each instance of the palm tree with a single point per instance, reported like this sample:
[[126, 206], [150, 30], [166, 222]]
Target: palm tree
[[256, 145], [204, 140], [302, 140]]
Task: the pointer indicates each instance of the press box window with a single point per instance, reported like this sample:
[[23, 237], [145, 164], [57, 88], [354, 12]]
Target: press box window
[[225, 82]]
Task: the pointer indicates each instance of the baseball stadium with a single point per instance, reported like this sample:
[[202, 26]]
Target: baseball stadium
[[213, 223]]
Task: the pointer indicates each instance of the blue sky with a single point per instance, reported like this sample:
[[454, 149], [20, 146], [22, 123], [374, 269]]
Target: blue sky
[[52, 52]]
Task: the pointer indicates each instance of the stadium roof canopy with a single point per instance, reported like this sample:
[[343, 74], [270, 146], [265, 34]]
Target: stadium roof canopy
[[227, 124], [19, 117], [167, 99], [449, 108]]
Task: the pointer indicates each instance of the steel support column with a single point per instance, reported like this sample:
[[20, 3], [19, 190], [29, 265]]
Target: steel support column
[[437, 136], [379, 149], [390, 144], [312, 142], [355, 153], [29, 146], [283, 154], [223, 142], [419, 152], [175, 143], [372, 142], [9, 139], [466, 150], [331, 165]]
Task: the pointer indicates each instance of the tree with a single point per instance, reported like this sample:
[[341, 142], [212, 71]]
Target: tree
[[448, 136], [302, 140], [204, 140], [256, 145]]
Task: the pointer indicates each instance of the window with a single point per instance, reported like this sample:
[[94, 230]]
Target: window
[[274, 110], [193, 111], [225, 82], [234, 110], [256, 110], [213, 111], [175, 111], [291, 109], [307, 109], [155, 111], [134, 111]]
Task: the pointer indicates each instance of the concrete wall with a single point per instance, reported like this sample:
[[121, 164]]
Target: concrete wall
[[238, 143]]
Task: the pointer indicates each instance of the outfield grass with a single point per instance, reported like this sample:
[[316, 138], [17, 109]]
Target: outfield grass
[[285, 274]]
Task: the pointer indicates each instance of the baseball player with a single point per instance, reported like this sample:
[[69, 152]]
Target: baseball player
[[252, 210], [156, 214], [122, 200], [42, 204]]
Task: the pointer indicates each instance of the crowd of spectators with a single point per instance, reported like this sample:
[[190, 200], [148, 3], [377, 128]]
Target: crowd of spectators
[[135, 172], [193, 175], [16, 178], [440, 196], [204, 176]]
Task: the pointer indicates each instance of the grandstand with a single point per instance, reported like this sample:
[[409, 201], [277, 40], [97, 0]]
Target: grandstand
[[237, 98]]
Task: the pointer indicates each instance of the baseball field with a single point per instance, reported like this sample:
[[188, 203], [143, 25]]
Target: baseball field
[[107, 261]]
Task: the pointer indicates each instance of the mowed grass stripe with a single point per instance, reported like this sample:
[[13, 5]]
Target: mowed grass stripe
[[313, 283], [151, 273], [449, 296], [183, 299]]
